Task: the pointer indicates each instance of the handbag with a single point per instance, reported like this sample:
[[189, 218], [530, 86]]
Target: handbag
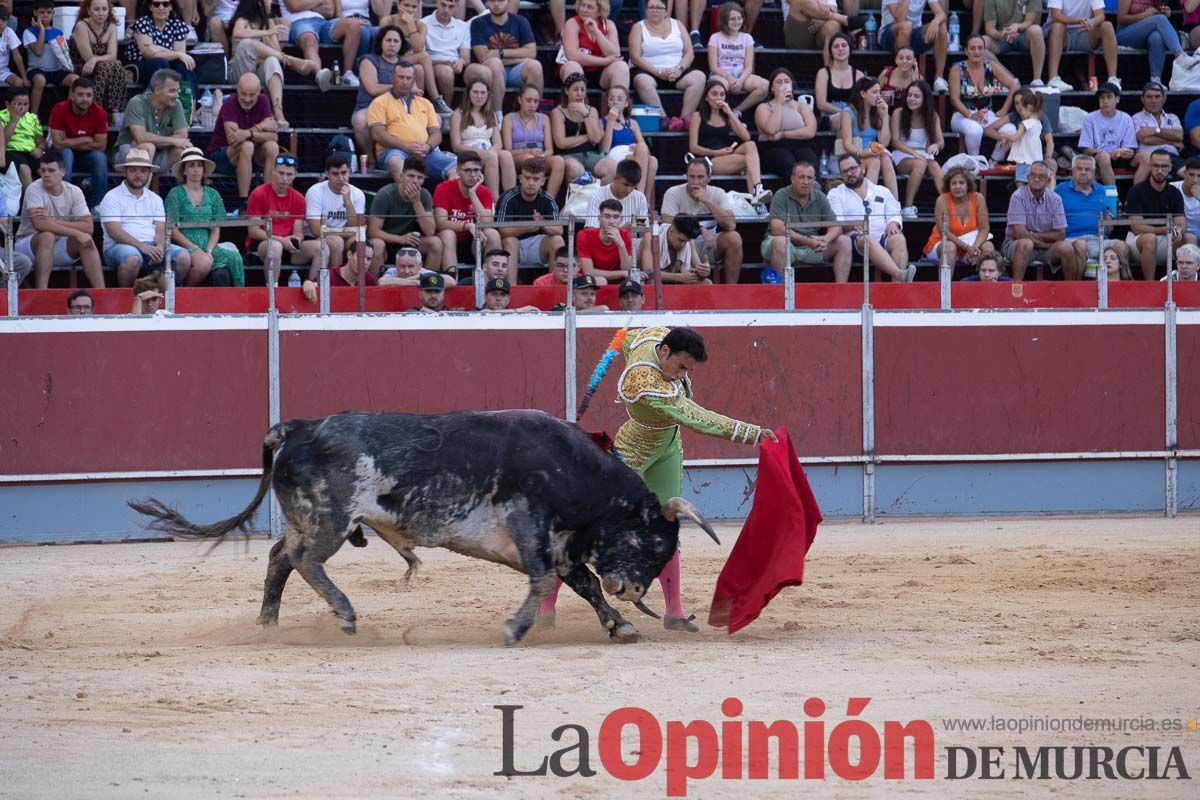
[[1185, 73], [579, 197], [10, 188]]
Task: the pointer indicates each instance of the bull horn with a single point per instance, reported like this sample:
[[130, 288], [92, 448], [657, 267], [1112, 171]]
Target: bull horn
[[642, 607], [677, 505]]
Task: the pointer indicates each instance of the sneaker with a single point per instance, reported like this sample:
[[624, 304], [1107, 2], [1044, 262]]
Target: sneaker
[[1037, 84], [1058, 83], [191, 37], [940, 86], [349, 79], [769, 275], [909, 213], [761, 195], [908, 274], [324, 79], [696, 42], [584, 179], [442, 107], [681, 624], [1115, 81]]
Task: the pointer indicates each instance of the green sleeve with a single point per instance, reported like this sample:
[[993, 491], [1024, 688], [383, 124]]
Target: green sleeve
[[172, 204], [686, 412]]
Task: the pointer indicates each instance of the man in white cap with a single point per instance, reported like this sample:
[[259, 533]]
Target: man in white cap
[[135, 226]]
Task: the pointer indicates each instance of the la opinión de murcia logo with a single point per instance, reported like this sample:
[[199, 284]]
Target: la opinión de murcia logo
[[852, 749]]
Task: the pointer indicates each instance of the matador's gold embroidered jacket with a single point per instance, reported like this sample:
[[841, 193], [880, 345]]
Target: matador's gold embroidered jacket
[[656, 406]]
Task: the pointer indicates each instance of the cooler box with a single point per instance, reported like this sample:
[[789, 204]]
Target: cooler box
[[64, 20], [647, 118]]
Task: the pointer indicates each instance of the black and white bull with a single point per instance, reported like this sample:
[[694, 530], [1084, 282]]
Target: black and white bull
[[520, 488]]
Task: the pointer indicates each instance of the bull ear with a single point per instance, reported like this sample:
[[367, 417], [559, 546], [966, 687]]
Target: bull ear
[[677, 505]]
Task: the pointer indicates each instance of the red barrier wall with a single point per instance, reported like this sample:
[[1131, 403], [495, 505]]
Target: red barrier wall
[[1187, 354]]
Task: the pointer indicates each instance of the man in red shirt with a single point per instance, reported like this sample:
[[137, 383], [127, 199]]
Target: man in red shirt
[[559, 274], [598, 250], [245, 131], [457, 204], [79, 128], [278, 200]]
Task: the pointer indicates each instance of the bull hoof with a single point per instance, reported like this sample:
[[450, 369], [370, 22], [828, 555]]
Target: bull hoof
[[349, 627], [266, 622], [624, 633], [512, 633]]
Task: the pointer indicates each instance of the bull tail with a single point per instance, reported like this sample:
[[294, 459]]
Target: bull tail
[[167, 520]]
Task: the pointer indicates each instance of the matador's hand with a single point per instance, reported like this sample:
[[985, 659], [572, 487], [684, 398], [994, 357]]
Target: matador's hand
[[767, 433]]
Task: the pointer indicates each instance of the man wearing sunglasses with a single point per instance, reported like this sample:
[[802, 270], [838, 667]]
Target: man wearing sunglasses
[[278, 200]]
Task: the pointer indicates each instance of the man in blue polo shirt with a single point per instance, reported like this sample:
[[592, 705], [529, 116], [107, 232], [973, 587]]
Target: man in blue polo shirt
[[1084, 202]]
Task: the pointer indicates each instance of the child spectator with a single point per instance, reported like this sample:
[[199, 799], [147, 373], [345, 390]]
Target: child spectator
[[731, 57], [623, 139], [24, 141], [10, 53], [47, 56]]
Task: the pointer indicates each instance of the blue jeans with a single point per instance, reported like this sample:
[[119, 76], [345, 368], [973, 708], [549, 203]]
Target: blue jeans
[[1156, 35], [95, 163]]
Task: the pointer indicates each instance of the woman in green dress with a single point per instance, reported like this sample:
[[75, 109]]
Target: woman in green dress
[[193, 200]]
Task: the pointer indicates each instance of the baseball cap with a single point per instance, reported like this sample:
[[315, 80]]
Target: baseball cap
[[628, 287], [498, 285], [583, 282], [433, 280]]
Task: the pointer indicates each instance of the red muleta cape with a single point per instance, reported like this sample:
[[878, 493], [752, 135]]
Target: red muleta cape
[[769, 553]]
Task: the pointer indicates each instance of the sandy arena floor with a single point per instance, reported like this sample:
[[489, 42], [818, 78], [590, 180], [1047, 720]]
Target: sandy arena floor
[[137, 670]]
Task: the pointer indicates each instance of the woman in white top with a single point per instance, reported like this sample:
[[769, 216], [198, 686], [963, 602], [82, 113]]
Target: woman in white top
[[916, 141], [661, 53], [475, 125], [731, 56]]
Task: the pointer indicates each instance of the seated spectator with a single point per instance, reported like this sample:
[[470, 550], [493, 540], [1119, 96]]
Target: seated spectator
[[1187, 263], [731, 58], [1116, 264], [495, 264], [46, 67], [433, 294], [583, 291], [459, 203], [559, 274], [799, 202], [220, 21], [80, 303], [22, 265], [1146, 25], [1012, 26], [710, 204], [910, 31], [786, 127], [56, 225], [158, 40], [311, 24], [402, 217], [22, 132], [337, 207], [1191, 22], [631, 296], [1079, 25], [493, 37], [448, 42], [404, 125], [1155, 197], [623, 139], [974, 85], [375, 79], [409, 268], [835, 82], [415, 35], [345, 274], [277, 199], [883, 238], [154, 122], [672, 253], [962, 211], [916, 141], [867, 132], [606, 252], [577, 129], [527, 133], [258, 51], [475, 126], [193, 200], [496, 297], [1108, 135], [148, 294], [1027, 103], [79, 129], [988, 271], [716, 133], [244, 134], [1084, 203], [623, 189], [528, 202], [1189, 187], [811, 24], [1155, 130], [662, 54], [896, 77], [93, 47], [1036, 228], [10, 53], [590, 46], [135, 226]]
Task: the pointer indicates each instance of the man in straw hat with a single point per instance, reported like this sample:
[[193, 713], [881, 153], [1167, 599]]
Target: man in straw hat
[[135, 226]]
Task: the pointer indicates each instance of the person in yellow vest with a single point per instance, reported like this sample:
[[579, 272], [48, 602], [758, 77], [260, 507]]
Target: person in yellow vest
[[657, 391]]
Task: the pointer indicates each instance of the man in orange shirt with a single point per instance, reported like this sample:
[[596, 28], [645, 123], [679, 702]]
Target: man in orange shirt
[[402, 124]]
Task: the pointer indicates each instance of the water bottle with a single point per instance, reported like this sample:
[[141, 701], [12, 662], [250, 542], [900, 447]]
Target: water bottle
[[337, 73], [206, 110], [872, 29], [953, 31], [294, 282], [823, 171]]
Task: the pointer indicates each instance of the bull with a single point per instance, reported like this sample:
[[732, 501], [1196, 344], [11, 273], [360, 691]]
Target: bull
[[519, 488]]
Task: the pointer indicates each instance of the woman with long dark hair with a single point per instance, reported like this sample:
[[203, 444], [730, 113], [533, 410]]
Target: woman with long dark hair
[[786, 126], [866, 132], [93, 48], [916, 141], [716, 133], [835, 82]]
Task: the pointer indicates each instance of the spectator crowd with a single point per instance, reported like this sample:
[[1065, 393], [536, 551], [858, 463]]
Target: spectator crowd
[[481, 148]]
